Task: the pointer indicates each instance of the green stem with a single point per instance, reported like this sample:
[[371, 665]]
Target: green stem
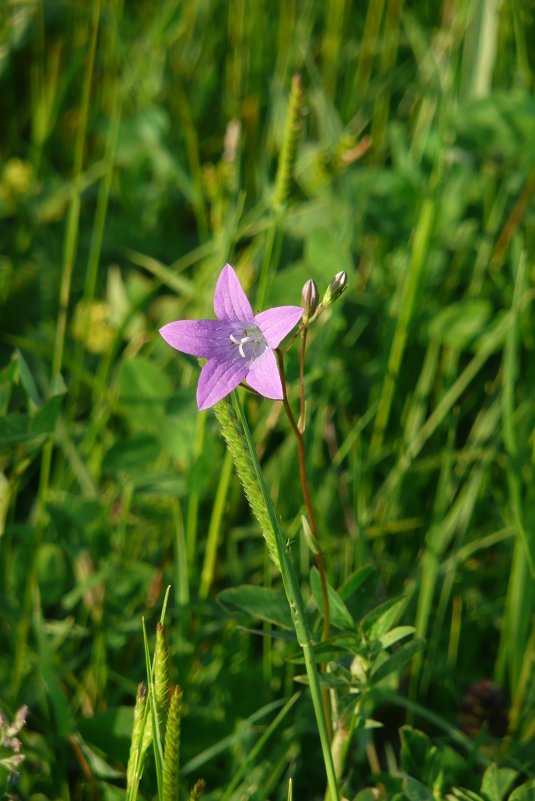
[[208, 568], [193, 501], [297, 606], [285, 170]]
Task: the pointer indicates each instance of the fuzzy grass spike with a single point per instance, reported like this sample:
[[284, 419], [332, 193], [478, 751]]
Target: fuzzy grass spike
[[172, 748], [237, 445], [161, 676]]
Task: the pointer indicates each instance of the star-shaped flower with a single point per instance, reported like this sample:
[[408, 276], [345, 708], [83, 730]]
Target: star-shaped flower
[[238, 345]]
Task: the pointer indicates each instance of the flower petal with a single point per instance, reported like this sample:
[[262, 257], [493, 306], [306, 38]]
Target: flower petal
[[230, 301], [264, 376], [217, 379], [204, 338], [276, 323]]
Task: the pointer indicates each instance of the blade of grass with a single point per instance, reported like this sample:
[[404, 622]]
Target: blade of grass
[[157, 743], [214, 528], [491, 343], [259, 745], [69, 255], [420, 247], [193, 496], [513, 637]]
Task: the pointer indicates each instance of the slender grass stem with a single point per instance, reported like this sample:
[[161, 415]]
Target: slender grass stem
[[214, 527], [193, 501], [256, 749], [297, 607]]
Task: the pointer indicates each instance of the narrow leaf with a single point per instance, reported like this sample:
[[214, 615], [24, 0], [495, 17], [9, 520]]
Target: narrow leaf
[[340, 615]]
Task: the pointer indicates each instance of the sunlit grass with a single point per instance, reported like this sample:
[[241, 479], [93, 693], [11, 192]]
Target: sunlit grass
[[139, 152]]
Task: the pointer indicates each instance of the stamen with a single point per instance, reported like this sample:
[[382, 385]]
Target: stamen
[[252, 335], [242, 343]]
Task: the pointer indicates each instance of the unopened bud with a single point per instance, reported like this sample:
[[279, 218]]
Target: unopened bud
[[310, 299], [335, 288]]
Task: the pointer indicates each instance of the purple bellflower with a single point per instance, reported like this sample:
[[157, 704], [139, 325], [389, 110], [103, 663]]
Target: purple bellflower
[[238, 345]]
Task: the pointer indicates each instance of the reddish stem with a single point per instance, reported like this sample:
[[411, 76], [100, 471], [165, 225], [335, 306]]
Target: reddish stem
[[302, 475]]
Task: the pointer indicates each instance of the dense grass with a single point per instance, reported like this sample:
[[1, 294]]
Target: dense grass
[[139, 148]]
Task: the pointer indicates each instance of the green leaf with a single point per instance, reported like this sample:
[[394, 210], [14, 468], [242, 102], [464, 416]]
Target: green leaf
[[354, 582], [27, 379], [394, 635], [14, 429], [144, 389], [497, 781], [46, 418], [359, 591], [326, 680], [336, 647], [379, 620], [262, 602], [466, 795], [366, 794], [8, 377], [419, 757], [416, 791], [458, 324], [109, 731], [339, 613], [135, 455], [397, 661], [526, 792], [99, 767]]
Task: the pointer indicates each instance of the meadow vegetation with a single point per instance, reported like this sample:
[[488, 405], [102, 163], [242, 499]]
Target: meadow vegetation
[[143, 145]]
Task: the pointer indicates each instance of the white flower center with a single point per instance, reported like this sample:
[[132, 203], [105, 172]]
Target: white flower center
[[251, 336]]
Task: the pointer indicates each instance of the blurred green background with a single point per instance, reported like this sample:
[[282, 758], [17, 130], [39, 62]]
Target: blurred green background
[[139, 144]]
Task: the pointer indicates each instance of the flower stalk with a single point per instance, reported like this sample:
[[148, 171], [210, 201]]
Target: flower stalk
[[296, 604], [298, 430]]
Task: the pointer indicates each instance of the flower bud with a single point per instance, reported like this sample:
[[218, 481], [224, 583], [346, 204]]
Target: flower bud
[[310, 299], [335, 288]]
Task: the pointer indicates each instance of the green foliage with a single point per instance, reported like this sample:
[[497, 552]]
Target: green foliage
[[141, 148]]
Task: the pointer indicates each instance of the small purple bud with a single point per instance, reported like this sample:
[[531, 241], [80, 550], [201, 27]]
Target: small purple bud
[[335, 288], [310, 299]]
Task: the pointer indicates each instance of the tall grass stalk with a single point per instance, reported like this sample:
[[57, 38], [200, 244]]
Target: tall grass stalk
[[214, 527], [420, 247], [514, 632], [193, 497], [285, 170], [69, 255], [102, 201], [253, 753]]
